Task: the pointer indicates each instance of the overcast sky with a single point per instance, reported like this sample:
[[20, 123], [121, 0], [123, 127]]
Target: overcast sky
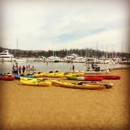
[[66, 24]]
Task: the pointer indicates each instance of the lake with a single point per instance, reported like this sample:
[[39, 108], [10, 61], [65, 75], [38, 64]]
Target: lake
[[59, 66]]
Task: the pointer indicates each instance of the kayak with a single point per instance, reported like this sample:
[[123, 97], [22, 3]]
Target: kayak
[[6, 77], [35, 82], [39, 74], [47, 74], [79, 85], [105, 76], [17, 76], [74, 73], [107, 84], [97, 72], [6, 74], [82, 78]]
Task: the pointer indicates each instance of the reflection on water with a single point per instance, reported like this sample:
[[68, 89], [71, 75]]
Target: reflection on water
[[59, 66]]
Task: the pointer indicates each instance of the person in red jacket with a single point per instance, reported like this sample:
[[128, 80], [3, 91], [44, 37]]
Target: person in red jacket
[[20, 68]]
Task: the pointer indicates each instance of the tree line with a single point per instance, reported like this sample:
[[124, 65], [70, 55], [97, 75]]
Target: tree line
[[64, 52]]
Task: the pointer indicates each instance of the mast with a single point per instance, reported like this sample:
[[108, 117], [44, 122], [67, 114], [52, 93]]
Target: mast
[[106, 51], [17, 43]]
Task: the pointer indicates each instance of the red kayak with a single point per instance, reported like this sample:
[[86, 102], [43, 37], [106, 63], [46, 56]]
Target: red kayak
[[82, 78], [90, 78], [9, 78], [105, 76]]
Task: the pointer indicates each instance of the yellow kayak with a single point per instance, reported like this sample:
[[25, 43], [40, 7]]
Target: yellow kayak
[[83, 85], [56, 75], [40, 74], [35, 81], [74, 73], [46, 74]]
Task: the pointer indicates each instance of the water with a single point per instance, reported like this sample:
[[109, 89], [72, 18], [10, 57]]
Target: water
[[59, 66]]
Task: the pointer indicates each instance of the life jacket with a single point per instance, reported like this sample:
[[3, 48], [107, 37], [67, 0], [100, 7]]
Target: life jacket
[[15, 68]]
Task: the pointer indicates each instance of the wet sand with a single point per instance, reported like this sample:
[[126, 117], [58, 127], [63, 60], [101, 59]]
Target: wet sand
[[37, 108]]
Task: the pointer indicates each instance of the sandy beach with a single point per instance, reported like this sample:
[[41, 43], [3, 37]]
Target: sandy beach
[[55, 108]]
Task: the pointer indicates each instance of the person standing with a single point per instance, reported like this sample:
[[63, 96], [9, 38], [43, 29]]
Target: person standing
[[73, 67], [16, 63], [32, 68], [19, 69], [15, 69], [23, 68], [26, 68], [93, 66]]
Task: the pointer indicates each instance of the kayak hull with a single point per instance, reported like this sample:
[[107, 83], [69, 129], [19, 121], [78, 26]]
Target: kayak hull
[[35, 82], [113, 77], [78, 86], [8, 78], [82, 78]]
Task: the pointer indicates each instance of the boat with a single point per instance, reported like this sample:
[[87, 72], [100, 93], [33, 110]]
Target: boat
[[6, 56], [97, 72], [17, 76], [107, 84], [7, 77], [75, 73], [113, 77], [55, 74], [53, 59], [49, 74], [5, 74], [80, 86], [82, 78], [20, 59], [35, 81]]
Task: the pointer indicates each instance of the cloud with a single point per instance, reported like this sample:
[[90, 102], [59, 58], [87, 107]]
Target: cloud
[[44, 25]]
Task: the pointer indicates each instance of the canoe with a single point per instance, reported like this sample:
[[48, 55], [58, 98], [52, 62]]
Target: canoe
[[82, 78], [35, 82], [113, 77], [8, 78], [79, 85]]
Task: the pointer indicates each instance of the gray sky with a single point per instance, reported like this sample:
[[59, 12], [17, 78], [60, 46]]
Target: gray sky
[[66, 24]]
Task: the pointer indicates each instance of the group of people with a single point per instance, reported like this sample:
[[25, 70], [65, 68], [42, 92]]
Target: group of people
[[21, 69], [94, 67]]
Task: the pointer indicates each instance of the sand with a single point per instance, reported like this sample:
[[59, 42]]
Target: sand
[[56, 108]]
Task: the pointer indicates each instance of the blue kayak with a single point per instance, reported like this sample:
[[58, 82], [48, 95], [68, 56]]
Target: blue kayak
[[17, 76]]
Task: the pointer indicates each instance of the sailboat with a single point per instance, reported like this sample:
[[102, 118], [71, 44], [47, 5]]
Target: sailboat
[[53, 58], [19, 59]]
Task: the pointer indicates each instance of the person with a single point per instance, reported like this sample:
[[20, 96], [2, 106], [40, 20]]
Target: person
[[16, 63], [19, 69], [73, 68], [97, 68], [88, 67], [23, 68], [33, 68], [26, 67], [93, 66], [15, 69], [29, 68]]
